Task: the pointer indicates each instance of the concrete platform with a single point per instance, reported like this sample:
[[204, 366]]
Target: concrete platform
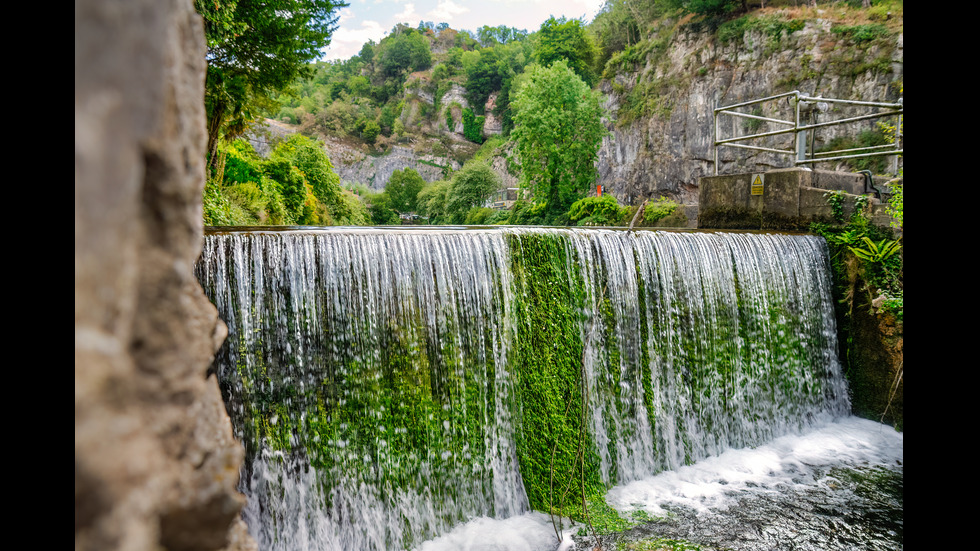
[[782, 199]]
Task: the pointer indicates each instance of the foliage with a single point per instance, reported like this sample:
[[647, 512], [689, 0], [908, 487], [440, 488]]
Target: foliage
[[296, 185], [311, 159], [297, 193], [217, 207], [255, 49], [484, 75], [597, 211], [618, 26], [403, 51], [370, 132], [502, 34], [358, 212], [896, 208], [471, 187], [862, 33], [403, 188], [836, 201], [382, 214], [472, 126], [567, 39], [658, 210], [485, 216], [772, 26], [431, 202], [526, 213], [876, 252], [557, 132], [877, 255], [711, 7]]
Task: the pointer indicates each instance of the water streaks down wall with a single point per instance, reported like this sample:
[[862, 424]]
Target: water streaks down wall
[[390, 385]]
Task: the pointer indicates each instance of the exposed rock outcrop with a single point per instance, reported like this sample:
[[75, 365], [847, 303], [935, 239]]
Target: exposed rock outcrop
[[156, 465], [661, 111], [354, 165]]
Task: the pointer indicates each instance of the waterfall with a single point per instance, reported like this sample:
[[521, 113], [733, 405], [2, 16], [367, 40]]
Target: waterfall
[[390, 385]]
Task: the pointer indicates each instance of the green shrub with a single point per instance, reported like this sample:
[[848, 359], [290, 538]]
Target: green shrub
[[472, 126], [658, 210], [478, 216], [597, 211], [526, 213], [862, 33]]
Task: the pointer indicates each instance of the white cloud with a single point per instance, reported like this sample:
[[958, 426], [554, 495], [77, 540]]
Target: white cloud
[[345, 36], [407, 15], [446, 10]]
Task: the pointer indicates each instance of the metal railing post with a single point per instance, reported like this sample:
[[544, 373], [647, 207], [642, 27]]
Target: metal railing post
[[804, 132], [715, 112]]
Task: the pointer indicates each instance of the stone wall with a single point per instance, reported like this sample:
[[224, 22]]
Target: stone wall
[[156, 465]]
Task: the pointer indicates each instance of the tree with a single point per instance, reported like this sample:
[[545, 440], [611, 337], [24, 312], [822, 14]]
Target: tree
[[403, 188], [255, 49], [310, 158], [431, 201], [557, 129], [568, 40], [470, 187]]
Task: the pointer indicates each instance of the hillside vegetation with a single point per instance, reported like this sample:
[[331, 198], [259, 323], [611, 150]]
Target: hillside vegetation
[[445, 99]]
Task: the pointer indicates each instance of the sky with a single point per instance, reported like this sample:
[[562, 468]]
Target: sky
[[372, 19]]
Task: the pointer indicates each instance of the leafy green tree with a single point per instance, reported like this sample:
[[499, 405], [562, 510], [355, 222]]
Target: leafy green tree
[[403, 188], [483, 77], [403, 51], [567, 39], [255, 49], [297, 193], [381, 212], [471, 187], [309, 157], [557, 129], [431, 202]]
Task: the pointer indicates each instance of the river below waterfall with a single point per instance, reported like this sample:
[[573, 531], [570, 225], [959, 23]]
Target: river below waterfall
[[838, 486]]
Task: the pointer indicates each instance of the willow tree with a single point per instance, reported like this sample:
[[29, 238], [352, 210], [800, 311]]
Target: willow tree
[[557, 129], [257, 48]]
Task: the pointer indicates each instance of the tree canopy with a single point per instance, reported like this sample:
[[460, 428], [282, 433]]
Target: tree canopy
[[557, 129], [256, 48], [470, 187], [567, 39], [403, 188]]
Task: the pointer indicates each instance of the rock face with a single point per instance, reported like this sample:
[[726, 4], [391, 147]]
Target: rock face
[[661, 110], [353, 165], [156, 465]]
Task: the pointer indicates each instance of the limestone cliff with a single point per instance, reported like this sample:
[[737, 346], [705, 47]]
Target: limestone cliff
[[660, 100], [156, 466]]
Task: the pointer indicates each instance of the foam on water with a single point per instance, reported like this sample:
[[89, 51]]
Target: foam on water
[[786, 462]]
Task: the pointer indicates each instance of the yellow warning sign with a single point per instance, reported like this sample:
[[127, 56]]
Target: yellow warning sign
[[758, 181]]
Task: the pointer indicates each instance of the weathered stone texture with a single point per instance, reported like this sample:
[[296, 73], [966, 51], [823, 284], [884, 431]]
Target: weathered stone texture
[[156, 465], [670, 147]]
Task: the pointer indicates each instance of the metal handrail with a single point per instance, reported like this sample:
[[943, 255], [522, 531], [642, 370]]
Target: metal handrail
[[803, 130]]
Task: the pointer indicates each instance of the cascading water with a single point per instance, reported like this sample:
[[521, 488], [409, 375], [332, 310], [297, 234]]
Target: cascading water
[[391, 385], [367, 374]]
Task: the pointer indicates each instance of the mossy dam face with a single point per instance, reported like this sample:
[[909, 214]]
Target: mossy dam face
[[392, 386]]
